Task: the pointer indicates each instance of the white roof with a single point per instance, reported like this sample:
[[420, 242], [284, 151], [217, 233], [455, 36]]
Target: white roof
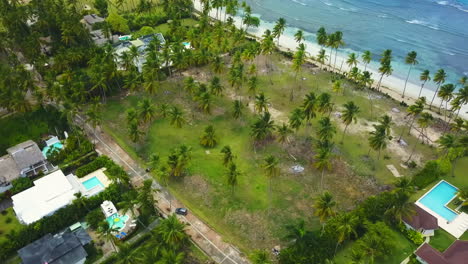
[[48, 194]]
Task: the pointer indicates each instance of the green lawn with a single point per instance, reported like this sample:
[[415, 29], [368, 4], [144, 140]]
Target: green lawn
[[8, 223], [402, 249], [441, 240]]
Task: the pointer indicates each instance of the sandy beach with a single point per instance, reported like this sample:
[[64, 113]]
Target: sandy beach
[[391, 85]]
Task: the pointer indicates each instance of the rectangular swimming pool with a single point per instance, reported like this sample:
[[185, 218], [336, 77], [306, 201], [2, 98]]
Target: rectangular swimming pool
[[91, 183], [438, 197]]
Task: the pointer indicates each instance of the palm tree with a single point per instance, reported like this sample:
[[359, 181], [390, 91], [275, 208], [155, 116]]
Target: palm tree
[[232, 175], [324, 104], [385, 66], [177, 117], [215, 86], [283, 132], [146, 110], [127, 254], [261, 103], [424, 121], [411, 61], [322, 37], [352, 60], [172, 232], [299, 59], [299, 36], [272, 170], [296, 118], [169, 256], [108, 232], [80, 201], [378, 139], [349, 115], [446, 142], [337, 43], [326, 129], [337, 87], [309, 107], [385, 122], [190, 85], [324, 206], [366, 58], [237, 109], [135, 132], [424, 77], [414, 111], [279, 28], [439, 78], [228, 157], [263, 127], [209, 139], [204, 102], [322, 57], [260, 257], [323, 161], [252, 85], [347, 223], [401, 208], [445, 94]]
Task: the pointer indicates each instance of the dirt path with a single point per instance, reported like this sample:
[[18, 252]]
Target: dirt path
[[203, 235]]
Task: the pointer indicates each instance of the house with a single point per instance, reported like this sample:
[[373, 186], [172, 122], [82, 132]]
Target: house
[[90, 20], [421, 221], [457, 253], [28, 158], [65, 247], [22, 160], [48, 194]]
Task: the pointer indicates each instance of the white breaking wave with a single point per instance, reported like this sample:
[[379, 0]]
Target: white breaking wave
[[422, 23], [298, 2]]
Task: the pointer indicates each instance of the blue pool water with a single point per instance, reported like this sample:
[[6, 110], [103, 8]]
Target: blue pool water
[[438, 197], [55, 147], [117, 221], [91, 183]]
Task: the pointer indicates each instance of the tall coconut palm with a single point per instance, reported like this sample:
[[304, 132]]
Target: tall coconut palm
[[445, 94], [296, 118], [385, 66], [283, 132], [232, 175], [172, 232], [324, 207], [366, 58], [424, 121], [135, 132], [322, 57], [352, 60], [349, 115], [237, 109], [323, 162], [228, 156], [263, 127], [261, 103], [272, 170], [424, 77], [378, 139], [324, 103], [252, 84], [209, 138], [147, 110], [411, 60], [299, 58], [446, 142], [169, 256], [347, 224], [279, 28], [309, 107], [322, 37], [299, 36], [414, 111], [216, 87], [463, 80], [326, 129], [337, 43], [439, 79], [108, 232], [177, 117]]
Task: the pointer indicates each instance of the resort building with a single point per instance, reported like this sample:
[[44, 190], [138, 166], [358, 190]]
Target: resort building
[[457, 253], [421, 221], [54, 191], [65, 247], [22, 160], [90, 20]]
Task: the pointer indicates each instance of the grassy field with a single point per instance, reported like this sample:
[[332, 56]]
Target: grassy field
[[441, 240], [403, 248], [8, 223]]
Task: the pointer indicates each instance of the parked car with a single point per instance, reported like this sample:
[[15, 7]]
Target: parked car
[[181, 211]]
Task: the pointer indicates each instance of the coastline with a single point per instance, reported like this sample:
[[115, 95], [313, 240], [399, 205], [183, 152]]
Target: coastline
[[391, 85]]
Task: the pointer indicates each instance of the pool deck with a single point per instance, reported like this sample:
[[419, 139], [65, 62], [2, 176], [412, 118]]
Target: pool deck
[[100, 175], [456, 227]]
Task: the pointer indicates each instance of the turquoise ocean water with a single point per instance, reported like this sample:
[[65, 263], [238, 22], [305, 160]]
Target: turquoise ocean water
[[437, 30]]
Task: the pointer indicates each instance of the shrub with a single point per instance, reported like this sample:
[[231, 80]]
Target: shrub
[[94, 217], [94, 165], [118, 23], [8, 220], [433, 170], [411, 234], [20, 185], [76, 146]]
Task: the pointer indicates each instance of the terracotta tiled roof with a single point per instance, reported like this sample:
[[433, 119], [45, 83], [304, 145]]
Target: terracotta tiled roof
[[457, 253], [422, 219]]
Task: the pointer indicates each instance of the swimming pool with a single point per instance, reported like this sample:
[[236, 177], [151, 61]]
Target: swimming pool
[[117, 221], [91, 183], [55, 147], [438, 197]]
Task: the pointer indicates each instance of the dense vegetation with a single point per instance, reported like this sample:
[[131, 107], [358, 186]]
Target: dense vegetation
[[251, 108]]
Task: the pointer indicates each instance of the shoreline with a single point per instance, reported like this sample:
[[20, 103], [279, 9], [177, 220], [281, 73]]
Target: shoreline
[[391, 85]]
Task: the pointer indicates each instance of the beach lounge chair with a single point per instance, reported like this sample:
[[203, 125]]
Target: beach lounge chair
[[118, 236], [123, 233]]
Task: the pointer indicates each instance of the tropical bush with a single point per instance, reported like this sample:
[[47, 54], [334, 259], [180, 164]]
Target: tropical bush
[[76, 146], [411, 234], [94, 165], [432, 171], [20, 185]]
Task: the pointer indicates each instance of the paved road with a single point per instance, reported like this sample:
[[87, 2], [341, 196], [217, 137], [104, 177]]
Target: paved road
[[202, 235]]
